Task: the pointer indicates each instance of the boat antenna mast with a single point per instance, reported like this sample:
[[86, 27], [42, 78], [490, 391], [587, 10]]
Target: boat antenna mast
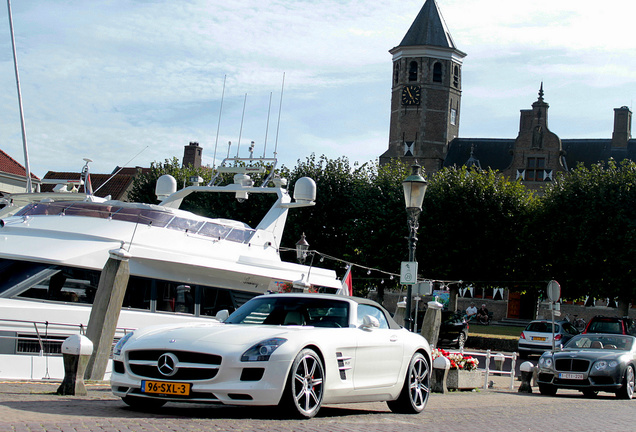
[[280, 108], [29, 187], [218, 126]]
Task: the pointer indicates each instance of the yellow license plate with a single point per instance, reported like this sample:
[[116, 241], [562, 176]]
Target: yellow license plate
[[537, 338], [166, 388]]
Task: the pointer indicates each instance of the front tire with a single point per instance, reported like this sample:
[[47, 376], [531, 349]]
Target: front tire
[[416, 389], [627, 391], [305, 385]]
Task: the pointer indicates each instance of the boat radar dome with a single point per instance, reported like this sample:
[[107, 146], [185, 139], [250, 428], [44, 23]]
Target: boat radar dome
[[305, 190], [166, 185]]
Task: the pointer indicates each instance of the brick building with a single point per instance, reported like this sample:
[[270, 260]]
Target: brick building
[[425, 115], [425, 93]]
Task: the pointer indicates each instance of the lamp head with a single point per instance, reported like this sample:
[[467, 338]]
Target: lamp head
[[414, 188]]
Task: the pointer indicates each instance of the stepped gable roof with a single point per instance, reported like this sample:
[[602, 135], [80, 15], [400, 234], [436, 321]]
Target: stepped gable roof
[[9, 165], [489, 152], [429, 28], [116, 186]]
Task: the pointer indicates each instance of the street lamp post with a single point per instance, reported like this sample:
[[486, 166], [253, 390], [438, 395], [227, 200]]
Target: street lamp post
[[414, 190], [302, 249]]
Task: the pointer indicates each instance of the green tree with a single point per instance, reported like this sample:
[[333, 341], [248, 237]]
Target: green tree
[[359, 215], [585, 231], [471, 226]]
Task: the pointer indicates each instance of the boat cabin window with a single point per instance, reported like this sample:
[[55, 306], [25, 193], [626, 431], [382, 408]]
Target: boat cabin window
[[46, 282], [215, 229]]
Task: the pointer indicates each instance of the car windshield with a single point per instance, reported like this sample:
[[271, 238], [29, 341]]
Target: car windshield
[[594, 341], [542, 327], [302, 311], [605, 326]]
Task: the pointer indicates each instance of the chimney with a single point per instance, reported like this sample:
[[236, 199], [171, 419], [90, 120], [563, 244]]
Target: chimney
[[622, 127], [192, 155]]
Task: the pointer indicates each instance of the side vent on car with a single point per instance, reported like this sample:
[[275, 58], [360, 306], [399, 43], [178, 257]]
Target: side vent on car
[[344, 364]]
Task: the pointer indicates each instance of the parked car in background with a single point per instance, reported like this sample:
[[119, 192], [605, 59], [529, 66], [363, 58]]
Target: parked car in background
[[616, 325], [453, 331], [536, 338], [590, 362]]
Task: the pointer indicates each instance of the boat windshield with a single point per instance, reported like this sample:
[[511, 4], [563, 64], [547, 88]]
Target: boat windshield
[[236, 232]]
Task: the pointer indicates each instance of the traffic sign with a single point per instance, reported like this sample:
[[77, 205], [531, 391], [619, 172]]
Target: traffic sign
[[554, 291], [408, 273]]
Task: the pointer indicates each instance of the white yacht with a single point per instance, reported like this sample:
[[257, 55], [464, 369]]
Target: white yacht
[[183, 267]]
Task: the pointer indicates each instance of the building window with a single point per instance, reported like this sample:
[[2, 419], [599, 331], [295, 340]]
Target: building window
[[453, 116], [413, 71], [437, 72], [535, 169], [456, 77], [396, 73]]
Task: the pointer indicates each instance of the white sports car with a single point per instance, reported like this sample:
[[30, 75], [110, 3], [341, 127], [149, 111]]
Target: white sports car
[[296, 351]]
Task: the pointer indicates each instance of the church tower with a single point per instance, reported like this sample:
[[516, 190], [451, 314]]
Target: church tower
[[425, 92]]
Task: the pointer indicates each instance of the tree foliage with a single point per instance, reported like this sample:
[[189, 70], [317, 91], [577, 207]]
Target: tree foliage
[[476, 226], [471, 227], [584, 231]]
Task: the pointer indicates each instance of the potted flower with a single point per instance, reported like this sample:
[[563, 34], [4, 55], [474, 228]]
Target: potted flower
[[463, 373]]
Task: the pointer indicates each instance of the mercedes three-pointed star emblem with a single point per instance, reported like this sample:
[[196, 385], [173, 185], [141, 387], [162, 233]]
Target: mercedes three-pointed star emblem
[[167, 364]]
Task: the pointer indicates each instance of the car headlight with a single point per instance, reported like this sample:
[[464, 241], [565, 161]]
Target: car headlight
[[602, 365], [120, 344], [545, 362], [263, 350]]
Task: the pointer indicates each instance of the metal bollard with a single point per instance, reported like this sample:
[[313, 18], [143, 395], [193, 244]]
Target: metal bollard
[[441, 365], [526, 376], [76, 350]]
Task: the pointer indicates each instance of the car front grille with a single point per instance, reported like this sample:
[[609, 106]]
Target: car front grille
[[191, 366], [572, 365]]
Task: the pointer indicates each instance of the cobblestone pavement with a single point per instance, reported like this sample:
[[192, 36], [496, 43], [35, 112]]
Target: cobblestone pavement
[[34, 406]]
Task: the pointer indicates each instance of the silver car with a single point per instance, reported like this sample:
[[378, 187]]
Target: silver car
[[536, 338]]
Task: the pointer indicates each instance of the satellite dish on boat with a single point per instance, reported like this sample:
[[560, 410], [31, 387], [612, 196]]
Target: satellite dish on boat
[[166, 185], [305, 190]]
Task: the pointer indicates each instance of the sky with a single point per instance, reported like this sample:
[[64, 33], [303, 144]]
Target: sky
[[126, 82]]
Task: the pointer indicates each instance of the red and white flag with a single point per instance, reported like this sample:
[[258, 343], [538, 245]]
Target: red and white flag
[[347, 283]]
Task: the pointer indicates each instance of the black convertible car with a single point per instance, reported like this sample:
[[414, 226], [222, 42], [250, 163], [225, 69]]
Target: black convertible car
[[590, 363]]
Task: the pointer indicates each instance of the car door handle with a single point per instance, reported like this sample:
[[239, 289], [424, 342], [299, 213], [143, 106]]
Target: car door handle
[[393, 338]]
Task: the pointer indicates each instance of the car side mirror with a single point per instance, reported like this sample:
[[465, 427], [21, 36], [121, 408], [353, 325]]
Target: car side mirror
[[222, 315], [369, 322]]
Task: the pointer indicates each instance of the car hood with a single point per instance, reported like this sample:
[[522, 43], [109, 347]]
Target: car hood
[[199, 335], [589, 354]]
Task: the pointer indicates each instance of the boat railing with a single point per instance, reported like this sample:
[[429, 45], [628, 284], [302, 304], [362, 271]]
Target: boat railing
[[45, 338]]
